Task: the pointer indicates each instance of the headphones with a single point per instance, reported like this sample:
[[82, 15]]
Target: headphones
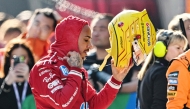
[[160, 48]]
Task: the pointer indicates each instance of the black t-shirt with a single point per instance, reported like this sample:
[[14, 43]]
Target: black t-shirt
[[91, 59]]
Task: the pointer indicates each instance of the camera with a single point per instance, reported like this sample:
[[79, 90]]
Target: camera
[[18, 59], [96, 75]]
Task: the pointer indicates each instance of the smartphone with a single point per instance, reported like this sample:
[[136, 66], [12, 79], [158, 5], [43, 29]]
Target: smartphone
[[18, 59]]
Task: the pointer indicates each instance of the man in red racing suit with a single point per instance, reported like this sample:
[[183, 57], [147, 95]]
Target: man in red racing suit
[[58, 81]]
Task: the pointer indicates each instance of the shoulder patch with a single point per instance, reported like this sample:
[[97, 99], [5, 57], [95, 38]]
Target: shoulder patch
[[171, 94], [172, 81], [172, 87], [64, 70], [173, 74]]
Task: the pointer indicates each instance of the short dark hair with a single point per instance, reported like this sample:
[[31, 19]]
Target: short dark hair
[[48, 12], [102, 16]]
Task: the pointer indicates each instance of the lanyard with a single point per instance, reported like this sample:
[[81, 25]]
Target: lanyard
[[17, 93]]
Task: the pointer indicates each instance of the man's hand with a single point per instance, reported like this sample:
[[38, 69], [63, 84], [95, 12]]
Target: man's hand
[[74, 59], [120, 73]]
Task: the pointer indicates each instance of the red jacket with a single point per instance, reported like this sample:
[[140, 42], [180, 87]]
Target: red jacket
[[56, 85]]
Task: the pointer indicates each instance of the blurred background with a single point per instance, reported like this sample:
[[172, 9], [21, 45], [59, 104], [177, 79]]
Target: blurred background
[[160, 11]]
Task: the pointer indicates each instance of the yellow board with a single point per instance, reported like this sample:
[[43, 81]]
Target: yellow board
[[132, 38]]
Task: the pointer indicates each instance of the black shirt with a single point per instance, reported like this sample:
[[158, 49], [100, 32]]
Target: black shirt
[[91, 59], [8, 99], [152, 90]]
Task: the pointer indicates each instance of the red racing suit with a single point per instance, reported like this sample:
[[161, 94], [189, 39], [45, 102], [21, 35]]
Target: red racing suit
[[56, 85]]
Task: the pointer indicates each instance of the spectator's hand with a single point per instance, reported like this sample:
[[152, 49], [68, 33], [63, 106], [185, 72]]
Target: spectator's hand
[[18, 73], [22, 71], [74, 59], [120, 73]]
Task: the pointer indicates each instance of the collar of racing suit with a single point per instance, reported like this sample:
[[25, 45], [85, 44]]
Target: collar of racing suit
[[184, 58]]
